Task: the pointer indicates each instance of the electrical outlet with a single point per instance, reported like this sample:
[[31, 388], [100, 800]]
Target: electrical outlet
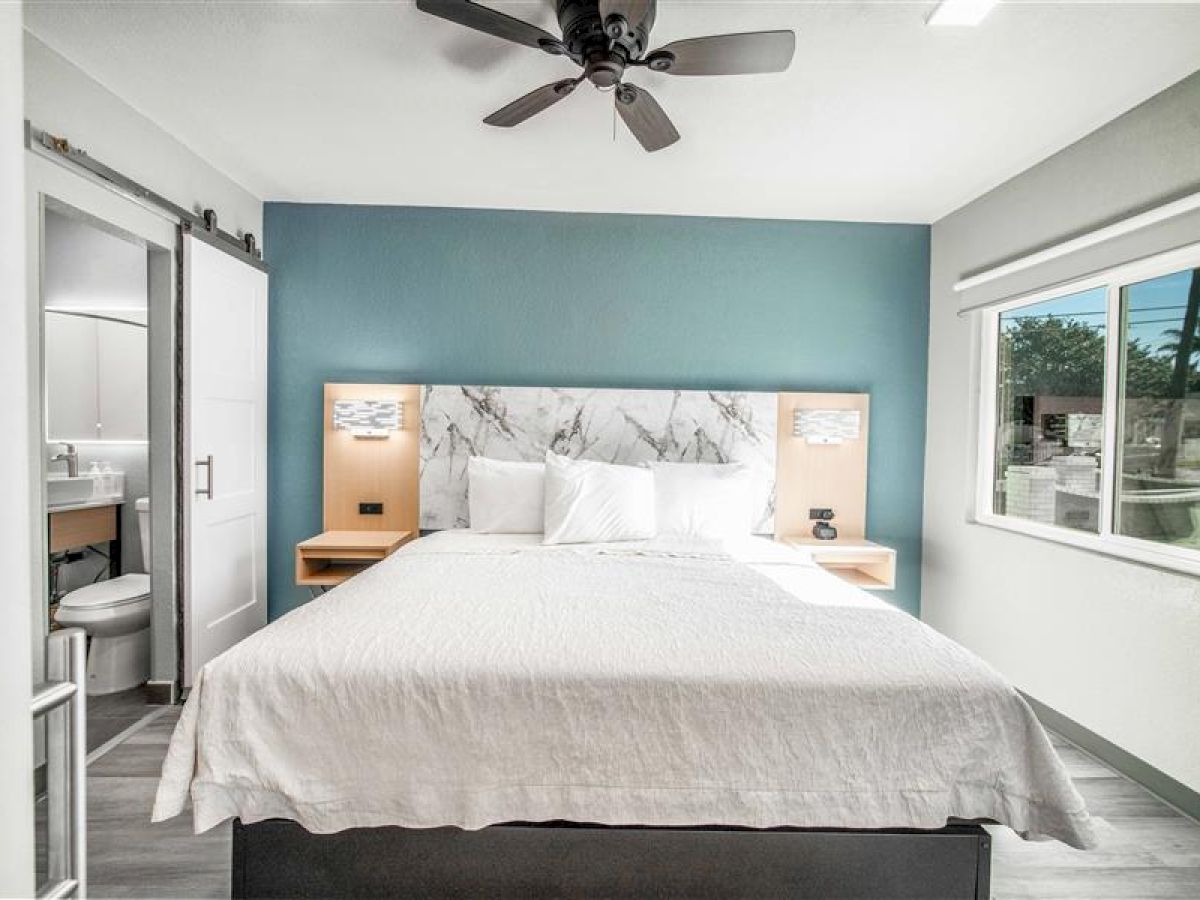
[[370, 509], [820, 513]]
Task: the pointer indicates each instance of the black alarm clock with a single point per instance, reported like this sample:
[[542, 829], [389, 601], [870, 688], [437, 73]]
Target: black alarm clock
[[822, 530]]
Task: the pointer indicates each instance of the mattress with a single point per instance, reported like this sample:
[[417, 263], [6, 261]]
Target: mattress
[[474, 679]]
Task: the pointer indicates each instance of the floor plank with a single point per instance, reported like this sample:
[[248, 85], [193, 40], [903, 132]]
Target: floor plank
[[138, 759], [157, 732], [1034, 883], [1117, 797], [1082, 765], [110, 714]]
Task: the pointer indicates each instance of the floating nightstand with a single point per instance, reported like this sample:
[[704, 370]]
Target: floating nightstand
[[860, 562], [336, 556]]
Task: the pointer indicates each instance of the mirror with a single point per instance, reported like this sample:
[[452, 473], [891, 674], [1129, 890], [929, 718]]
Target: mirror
[[94, 293]]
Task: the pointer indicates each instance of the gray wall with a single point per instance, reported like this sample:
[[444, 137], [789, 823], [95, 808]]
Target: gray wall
[[1111, 644]]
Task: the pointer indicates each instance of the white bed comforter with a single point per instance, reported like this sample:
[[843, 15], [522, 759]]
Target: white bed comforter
[[469, 680]]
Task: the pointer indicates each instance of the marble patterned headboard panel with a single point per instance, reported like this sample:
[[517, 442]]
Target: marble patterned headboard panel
[[617, 426]]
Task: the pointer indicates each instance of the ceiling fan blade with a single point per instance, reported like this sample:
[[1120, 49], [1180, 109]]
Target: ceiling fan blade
[[645, 118], [727, 54], [632, 11], [489, 21], [531, 104]]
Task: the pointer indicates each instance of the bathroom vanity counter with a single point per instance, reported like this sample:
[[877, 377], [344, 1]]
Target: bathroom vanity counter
[[82, 504], [84, 523]]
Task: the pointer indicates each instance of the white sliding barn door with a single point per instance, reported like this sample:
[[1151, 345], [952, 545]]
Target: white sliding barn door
[[225, 452]]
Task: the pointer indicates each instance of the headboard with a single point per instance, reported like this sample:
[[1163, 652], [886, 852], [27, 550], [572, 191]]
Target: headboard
[[618, 426], [416, 477]]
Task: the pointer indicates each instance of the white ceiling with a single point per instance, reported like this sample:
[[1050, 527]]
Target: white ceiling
[[880, 118]]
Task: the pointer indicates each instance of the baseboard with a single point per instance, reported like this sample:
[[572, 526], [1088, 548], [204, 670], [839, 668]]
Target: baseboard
[[1162, 785], [162, 693]]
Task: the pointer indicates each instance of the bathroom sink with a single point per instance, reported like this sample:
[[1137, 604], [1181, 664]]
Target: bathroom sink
[[62, 490]]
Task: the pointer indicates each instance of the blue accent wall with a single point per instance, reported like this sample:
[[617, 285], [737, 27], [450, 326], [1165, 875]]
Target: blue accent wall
[[364, 293]]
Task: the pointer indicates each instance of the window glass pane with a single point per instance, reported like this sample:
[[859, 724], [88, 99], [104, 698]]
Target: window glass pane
[[1159, 496], [1050, 403]]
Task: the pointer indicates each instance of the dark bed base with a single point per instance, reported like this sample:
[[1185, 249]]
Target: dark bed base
[[278, 858]]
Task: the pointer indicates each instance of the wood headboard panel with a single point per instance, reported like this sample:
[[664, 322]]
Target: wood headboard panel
[[814, 475], [387, 471], [373, 470]]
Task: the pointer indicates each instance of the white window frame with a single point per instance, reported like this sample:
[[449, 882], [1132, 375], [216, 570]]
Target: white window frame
[[1106, 542]]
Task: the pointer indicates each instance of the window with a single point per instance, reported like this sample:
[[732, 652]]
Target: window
[[1050, 410], [1091, 412], [1159, 450]]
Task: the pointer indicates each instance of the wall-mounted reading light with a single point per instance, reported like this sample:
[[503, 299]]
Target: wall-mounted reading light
[[826, 426], [368, 418]]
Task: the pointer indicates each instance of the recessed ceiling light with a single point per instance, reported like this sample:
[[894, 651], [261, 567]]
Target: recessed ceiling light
[[960, 12]]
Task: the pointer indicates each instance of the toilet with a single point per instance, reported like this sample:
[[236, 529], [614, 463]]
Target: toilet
[[116, 616]]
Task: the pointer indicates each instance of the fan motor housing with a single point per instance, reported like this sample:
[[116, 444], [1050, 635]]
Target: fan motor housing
[[583, 31]]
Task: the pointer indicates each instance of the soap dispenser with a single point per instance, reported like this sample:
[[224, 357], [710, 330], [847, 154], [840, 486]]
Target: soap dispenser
[[94, 473], [116, 483], [112, 480]]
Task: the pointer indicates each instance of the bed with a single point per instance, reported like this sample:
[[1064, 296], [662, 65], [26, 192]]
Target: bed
[[668, 717]]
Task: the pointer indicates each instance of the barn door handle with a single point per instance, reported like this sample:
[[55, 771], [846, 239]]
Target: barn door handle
[[207, 490]]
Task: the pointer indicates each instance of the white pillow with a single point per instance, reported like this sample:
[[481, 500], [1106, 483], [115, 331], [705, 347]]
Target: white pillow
[[703, 499], [592, 502], [505, 497]]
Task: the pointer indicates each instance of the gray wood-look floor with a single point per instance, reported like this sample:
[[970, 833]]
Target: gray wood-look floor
[[110, 714], [1152, 852]]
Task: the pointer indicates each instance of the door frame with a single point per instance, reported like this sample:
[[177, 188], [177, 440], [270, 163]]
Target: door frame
[[52, 186]]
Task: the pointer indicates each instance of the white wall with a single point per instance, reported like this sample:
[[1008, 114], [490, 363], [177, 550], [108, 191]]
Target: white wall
[[86, 268], [95, 370], [65, 101], [16, 742], [1112, 645]]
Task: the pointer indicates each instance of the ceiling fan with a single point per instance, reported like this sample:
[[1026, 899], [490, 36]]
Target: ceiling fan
[[607, 37]]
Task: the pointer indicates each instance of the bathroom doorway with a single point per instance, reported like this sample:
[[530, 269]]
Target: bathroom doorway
[[105, 297], [95, 324]]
